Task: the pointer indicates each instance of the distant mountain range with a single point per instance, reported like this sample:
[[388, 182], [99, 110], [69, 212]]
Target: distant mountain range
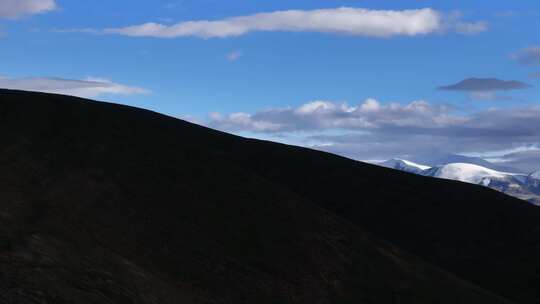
[[445, 159], [523, 186]]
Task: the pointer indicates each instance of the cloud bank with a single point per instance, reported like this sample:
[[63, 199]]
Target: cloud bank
[[372, 130], [18, 8], [344, 20], [88, 88], [323, 115]]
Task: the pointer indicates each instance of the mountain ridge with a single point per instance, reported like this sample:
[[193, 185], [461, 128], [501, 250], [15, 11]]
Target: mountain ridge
[[116, 162], [522, 186], [445, 159], [404, 165], [105, 203]]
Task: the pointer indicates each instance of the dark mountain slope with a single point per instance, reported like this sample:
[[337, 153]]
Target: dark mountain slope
[[102, 203], [477, 233]]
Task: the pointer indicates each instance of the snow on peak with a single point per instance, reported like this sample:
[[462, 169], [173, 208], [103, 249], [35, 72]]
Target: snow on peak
[[412, 164], [404, 165], [466, 173], [522, 186]]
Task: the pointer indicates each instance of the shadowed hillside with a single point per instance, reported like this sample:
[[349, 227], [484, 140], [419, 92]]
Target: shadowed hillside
[[477, 233], [102, 203]]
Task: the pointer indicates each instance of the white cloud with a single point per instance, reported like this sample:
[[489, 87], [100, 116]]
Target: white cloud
[[319, 106], [243, 121], [90, 87], [370, 105], [18, 8], [344, 20], [234, 55], [325, 115], [376, 130]]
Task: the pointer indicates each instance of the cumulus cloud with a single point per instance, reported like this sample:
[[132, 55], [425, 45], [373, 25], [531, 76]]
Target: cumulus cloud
[[322, 115], [18, 8], [344, 20], [483, 132], [375, 130], [528, 56], [89, 87], [485, 85]]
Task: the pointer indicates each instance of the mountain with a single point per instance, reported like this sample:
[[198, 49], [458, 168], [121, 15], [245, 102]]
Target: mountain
[[517, 185], [522, 186], [470, 173], [404, 165], [445, 159], [103, 203], [476, 233]]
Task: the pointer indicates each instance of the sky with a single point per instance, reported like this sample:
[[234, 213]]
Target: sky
[[370, 80]]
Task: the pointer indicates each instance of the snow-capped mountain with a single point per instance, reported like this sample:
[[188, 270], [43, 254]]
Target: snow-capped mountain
[[404, 165], [445, 159], [523, 186], [468, 173]]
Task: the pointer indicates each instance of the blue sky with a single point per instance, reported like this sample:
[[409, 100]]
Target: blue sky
[[276, 64]]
